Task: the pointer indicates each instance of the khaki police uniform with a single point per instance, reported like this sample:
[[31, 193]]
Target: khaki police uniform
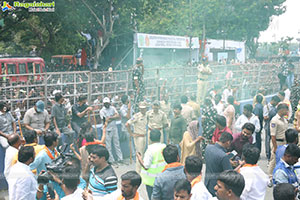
[[139, 123], [166, 108], [278, 126], [156, 121]]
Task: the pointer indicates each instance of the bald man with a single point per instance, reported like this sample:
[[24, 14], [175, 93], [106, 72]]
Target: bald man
[[14, 142]]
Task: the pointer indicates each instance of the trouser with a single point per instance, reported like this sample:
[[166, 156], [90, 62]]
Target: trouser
[[267, 143], [149, 191], [272, 162], [76, 127], [112, 138], [41, 140], [67, 137], [3, 183], [140, 145], [258, 140]]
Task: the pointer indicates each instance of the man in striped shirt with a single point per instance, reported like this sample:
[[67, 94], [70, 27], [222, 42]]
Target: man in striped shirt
[[102, 177]]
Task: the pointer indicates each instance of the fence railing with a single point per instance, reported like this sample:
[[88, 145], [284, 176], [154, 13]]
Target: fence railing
[[176, 81]]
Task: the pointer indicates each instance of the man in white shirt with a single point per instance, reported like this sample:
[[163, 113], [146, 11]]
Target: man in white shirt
[[22, 183], [110, 115], [14, 142], [192, 169], [248, 116], [256, 181], [70, 181]]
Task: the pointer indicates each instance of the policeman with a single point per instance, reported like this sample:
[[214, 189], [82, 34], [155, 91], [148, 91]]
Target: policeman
[[156, 119], [139, 123], [278, 126]]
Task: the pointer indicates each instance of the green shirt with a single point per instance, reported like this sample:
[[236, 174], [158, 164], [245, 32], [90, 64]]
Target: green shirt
[[177, 129]]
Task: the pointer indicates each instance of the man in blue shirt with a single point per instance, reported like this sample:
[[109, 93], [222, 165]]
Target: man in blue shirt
[[47, 155], [284, 170], [291, 137], [217, 160], [163, 188], [102, 177]]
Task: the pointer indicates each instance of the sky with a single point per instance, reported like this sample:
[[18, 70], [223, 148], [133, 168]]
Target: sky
[[287, 24]]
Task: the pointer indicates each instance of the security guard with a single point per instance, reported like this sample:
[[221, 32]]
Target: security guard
[[139, 123], [153, 162], [278, 126], [156, 119]]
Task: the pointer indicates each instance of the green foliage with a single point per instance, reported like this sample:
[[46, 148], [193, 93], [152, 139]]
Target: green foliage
[[59, 32]]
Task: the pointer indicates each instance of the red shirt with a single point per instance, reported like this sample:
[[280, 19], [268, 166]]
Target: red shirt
[[217, 134]]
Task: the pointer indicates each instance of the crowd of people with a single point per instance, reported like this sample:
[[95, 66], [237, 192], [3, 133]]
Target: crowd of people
[[57, 156]]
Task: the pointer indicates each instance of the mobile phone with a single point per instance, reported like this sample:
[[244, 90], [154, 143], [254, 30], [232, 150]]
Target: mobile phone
[[51, 190], [232, 154]]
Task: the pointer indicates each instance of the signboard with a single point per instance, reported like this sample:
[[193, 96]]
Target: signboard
[[166, 41]]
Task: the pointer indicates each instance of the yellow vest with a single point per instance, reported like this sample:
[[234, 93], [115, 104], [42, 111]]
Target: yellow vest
[[157, 166]]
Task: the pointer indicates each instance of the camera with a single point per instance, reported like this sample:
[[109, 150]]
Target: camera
[[56, 166]]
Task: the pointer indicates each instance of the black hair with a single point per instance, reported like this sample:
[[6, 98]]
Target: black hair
[[207, 101], [291, 135], [177, 106], [82, 98], [248, 107], [124, 98], [2, 105], [13, 139], [233, 181], [193, 97], [100, 151], [184, 99], [275, 99], [58, 96], [282, 106], [134, 178], [230, 100], [193, 165], [155, 135], [218, 97], [251, 154], [25, 153], [281, 93], [170, 153], [259, 98], [84, 130], [75, 162], [30, 136], [183, 184], [249, 126], [71, 176], [221, 120], [284, 191], [292, 150], [225, 137], [49, 138]]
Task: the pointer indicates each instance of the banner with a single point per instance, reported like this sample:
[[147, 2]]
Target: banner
[[166, 41]]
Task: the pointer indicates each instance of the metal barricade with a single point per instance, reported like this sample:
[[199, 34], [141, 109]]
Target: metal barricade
[[176, 81]]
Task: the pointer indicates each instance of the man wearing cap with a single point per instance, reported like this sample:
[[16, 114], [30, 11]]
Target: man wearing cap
[[109, 114], [37, 119], [156, 119], [138, 82], [139, 123]]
